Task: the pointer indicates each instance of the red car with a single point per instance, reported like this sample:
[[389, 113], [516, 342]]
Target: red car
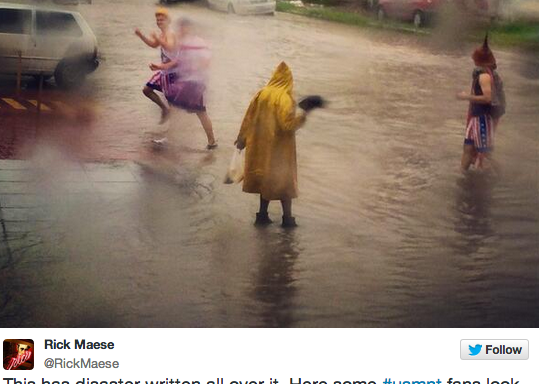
[[421, 11]]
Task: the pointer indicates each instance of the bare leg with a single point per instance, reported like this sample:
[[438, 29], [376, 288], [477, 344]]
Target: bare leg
[[468, 157], [150, 94], [207, 125], [494, 164]]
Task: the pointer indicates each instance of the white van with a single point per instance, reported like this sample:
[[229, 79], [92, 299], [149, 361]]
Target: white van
[[50, 43], [244, 7]]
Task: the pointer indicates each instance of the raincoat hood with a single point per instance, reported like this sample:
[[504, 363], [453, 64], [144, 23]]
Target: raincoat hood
[[277, 94], [282, 78]]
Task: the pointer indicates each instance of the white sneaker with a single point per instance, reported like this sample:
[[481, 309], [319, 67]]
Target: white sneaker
[[161, 142]]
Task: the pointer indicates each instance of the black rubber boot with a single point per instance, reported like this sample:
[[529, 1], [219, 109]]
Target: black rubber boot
[[262, 218], [289, 222]]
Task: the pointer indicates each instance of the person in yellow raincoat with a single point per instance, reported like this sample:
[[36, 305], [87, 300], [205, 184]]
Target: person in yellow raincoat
[[268, 133]]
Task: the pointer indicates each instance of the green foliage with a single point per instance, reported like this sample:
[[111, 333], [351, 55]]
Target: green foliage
[[508, 34], [516, 33], [339, 16]]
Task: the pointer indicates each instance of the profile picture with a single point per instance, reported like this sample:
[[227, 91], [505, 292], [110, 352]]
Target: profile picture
[[18, 354]]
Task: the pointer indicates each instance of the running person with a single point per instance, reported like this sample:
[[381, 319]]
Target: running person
[[188, 76], [159, 80], [484, 110]]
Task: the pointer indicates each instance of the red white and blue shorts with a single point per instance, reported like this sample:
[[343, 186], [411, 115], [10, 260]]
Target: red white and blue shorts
[[480, 133], [159, 81]]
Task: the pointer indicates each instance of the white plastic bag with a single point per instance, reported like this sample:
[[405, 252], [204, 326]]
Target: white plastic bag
[[236, 168]]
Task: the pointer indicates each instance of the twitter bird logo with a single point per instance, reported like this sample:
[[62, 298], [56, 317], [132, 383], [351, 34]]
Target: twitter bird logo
[[475, 350]]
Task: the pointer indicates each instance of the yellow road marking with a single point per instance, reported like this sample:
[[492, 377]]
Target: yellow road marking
[[43, 106], [13, 103]]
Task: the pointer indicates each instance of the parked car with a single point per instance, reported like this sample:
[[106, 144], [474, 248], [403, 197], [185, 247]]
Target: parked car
[[244, 6], [422, 11], [49, 42]]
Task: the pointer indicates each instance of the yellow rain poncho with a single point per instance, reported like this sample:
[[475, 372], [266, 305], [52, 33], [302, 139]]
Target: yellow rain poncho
[[269, 133]]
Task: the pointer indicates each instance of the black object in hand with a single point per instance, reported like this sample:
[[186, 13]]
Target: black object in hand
[[311, 102]]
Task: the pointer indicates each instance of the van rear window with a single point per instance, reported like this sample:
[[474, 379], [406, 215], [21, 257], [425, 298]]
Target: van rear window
[[57, 23], [18, 21]]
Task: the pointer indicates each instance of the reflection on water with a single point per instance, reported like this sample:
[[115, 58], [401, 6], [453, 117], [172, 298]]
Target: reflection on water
[[474, 198], [274, 283], [390, 234]]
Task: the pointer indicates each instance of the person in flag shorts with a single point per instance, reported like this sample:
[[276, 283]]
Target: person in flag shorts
[[159, 80], [486, 105]]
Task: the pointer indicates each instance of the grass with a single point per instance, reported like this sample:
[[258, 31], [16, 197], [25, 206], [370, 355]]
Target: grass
[[325, 13], [340, 16], [521, 34], [516, 33]]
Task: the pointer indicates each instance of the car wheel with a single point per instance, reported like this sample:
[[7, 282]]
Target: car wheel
[[381, 14], [230, 8], [419, 19], [70, 74]]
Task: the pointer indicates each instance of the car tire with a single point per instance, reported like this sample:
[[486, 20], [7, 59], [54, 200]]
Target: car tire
[[230, 9], [381, 14], [419, 19], [70, 74]]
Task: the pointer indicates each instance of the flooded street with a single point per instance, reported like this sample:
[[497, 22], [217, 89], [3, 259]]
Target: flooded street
[[112, 234]]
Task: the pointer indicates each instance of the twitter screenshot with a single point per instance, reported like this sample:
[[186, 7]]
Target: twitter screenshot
[[269, 191]]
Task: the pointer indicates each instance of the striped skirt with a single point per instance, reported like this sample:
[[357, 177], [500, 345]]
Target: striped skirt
[[187, 95]]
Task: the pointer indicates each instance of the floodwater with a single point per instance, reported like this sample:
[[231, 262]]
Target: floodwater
[[390, 234]]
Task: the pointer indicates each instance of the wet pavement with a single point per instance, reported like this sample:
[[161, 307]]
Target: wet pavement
[[99, 229]]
